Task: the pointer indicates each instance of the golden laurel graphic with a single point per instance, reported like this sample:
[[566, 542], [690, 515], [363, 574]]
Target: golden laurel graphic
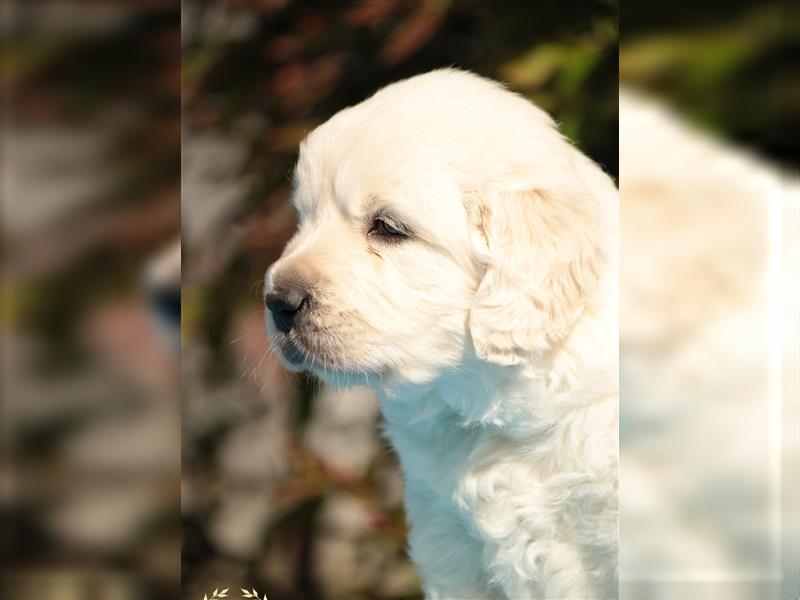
[[218, 593]]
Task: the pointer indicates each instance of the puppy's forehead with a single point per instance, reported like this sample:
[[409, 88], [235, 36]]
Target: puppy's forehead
[[325, 182], [348, 166], [421, 131]]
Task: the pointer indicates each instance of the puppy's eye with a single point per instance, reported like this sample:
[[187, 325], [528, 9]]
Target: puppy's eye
[[384, 229]]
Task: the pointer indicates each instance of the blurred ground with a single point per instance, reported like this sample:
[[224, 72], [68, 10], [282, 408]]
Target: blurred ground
[[287, 486]]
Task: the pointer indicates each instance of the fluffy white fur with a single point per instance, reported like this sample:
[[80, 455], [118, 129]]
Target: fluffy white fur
[[490, 332]]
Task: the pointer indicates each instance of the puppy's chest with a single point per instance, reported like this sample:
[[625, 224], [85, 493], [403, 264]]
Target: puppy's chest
[[434, 452], [443, 455], [569, 467]]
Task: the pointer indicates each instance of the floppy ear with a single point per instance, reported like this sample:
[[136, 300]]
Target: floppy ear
[[544, 257]]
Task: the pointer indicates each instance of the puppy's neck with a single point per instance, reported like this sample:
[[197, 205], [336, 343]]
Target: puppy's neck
[[519, 400]]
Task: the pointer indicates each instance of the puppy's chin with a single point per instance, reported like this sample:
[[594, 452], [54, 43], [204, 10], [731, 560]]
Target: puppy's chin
[[335, 377], [388, 380]]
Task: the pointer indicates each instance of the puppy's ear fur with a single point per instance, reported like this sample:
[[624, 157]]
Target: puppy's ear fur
[[543, 263]]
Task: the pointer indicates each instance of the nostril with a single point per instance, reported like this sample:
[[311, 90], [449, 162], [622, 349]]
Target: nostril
[[283, 309]]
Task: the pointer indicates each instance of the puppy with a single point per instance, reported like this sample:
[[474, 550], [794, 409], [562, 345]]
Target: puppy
[[458, 255]]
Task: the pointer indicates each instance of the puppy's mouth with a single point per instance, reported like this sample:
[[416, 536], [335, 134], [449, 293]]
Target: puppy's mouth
[[312, 346], [294, 355], [302, 352]]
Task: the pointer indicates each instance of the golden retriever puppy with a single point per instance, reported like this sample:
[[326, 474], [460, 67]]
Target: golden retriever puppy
[[458, 255]]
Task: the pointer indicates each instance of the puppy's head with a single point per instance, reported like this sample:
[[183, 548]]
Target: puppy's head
[[443, 217]]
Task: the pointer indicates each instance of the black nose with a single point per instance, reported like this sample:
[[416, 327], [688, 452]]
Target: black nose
[[284, 307]]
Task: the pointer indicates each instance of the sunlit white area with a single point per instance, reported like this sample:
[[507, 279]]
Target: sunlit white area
[[708, 348]]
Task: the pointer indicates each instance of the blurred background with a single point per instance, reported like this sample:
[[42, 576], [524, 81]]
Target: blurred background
[[116, 111], [710, 263], [89, 479], [287, 486]]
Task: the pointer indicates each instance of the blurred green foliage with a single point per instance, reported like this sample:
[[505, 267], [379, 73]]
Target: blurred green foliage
[[731, 67]]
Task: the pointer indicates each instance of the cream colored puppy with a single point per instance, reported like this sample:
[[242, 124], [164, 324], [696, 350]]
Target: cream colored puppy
[[458, 255]]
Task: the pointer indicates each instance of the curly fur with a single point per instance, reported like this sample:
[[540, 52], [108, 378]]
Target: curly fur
[[490, 333]]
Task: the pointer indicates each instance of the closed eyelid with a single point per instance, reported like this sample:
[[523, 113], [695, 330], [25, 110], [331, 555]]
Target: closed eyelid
[[392, 220], [375, 210]]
